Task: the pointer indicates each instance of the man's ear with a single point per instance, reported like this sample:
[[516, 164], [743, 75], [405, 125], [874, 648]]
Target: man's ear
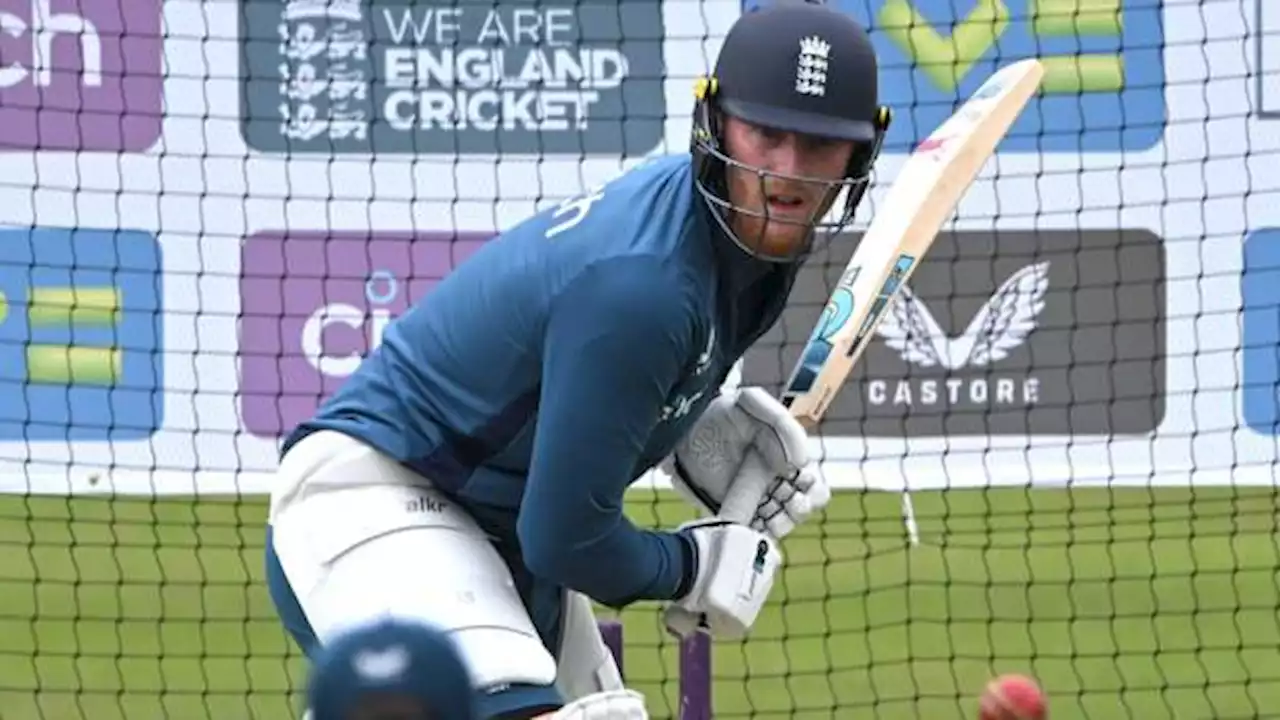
[[719, 124]]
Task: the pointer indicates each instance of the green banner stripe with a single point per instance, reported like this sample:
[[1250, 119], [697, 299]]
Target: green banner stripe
[[74, 306], [1074, 18], [1067, 74], [71, 365]]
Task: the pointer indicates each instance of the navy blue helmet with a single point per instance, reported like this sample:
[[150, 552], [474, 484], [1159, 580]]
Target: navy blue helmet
[[799, 67]]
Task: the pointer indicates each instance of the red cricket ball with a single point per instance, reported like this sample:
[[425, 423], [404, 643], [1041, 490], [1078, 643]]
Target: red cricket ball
[[1013, 697]]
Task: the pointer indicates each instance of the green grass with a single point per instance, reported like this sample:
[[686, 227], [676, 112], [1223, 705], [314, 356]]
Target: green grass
[[1142, 604]]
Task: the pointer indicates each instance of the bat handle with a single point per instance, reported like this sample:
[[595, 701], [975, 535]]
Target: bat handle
[[744, 496]]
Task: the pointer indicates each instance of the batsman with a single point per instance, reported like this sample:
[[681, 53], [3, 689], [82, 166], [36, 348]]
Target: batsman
[[470, 474]]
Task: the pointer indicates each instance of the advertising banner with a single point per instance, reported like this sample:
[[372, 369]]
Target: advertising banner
[[459, 77], [315, 304], [81, 75], [1055, 332], [81, 335], [210, 211], [1104, 67]]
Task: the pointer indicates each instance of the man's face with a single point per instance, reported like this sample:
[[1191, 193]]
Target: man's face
[[784, 206]]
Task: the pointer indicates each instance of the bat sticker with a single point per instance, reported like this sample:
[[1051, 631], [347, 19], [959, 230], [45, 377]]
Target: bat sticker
[[834, 316], [890, 286]]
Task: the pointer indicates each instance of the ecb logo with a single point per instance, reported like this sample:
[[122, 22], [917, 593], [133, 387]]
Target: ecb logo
[[453, 76], [1103, 89], [316, 303], [81, 335]]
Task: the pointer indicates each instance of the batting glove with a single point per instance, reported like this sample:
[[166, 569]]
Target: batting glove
[[710, 459]]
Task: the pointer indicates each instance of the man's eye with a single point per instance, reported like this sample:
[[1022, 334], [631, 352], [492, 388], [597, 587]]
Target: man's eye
[[768, 134]]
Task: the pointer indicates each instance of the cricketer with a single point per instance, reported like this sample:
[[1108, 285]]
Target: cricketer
[[470, 474]]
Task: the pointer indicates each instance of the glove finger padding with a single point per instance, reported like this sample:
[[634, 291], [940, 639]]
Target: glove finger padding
[[778, 525], [814, 487], [803, 494], [736, 568], [779, 437], [790, 502]]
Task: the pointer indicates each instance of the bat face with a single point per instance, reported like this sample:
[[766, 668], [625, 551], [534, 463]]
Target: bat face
[[922, 198]]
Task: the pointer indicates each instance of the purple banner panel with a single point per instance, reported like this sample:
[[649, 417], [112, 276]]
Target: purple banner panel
[[313, 304], [80, 74]]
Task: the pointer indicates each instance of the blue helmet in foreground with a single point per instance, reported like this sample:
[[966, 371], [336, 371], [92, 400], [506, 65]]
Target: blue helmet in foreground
[[391, 670]]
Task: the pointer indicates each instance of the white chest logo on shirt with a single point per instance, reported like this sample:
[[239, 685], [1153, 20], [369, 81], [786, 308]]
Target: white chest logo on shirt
[[684, 403], [681, 406], [708, 353]]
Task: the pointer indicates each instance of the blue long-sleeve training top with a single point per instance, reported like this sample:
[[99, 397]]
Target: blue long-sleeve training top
[[562, 361]]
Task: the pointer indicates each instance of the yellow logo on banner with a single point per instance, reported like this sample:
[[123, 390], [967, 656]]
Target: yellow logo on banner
[[947, 58]]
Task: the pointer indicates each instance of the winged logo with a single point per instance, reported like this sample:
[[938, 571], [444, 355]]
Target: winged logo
[[1001, 326]]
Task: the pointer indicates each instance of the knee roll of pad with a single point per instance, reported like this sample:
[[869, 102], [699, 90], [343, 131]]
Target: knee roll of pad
[[499, 657], [611, 705]]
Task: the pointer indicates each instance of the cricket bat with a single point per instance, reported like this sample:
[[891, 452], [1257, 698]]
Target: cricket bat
[[922, 198]]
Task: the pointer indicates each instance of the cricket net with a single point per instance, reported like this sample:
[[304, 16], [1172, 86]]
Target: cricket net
[[1058, 456]]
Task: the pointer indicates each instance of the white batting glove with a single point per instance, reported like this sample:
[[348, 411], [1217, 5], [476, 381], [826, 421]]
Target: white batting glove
[[735, 570], [710, 459]]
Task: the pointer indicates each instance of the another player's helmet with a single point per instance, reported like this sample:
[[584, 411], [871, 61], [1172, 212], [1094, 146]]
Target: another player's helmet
[[795, 66], [391, 670]]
